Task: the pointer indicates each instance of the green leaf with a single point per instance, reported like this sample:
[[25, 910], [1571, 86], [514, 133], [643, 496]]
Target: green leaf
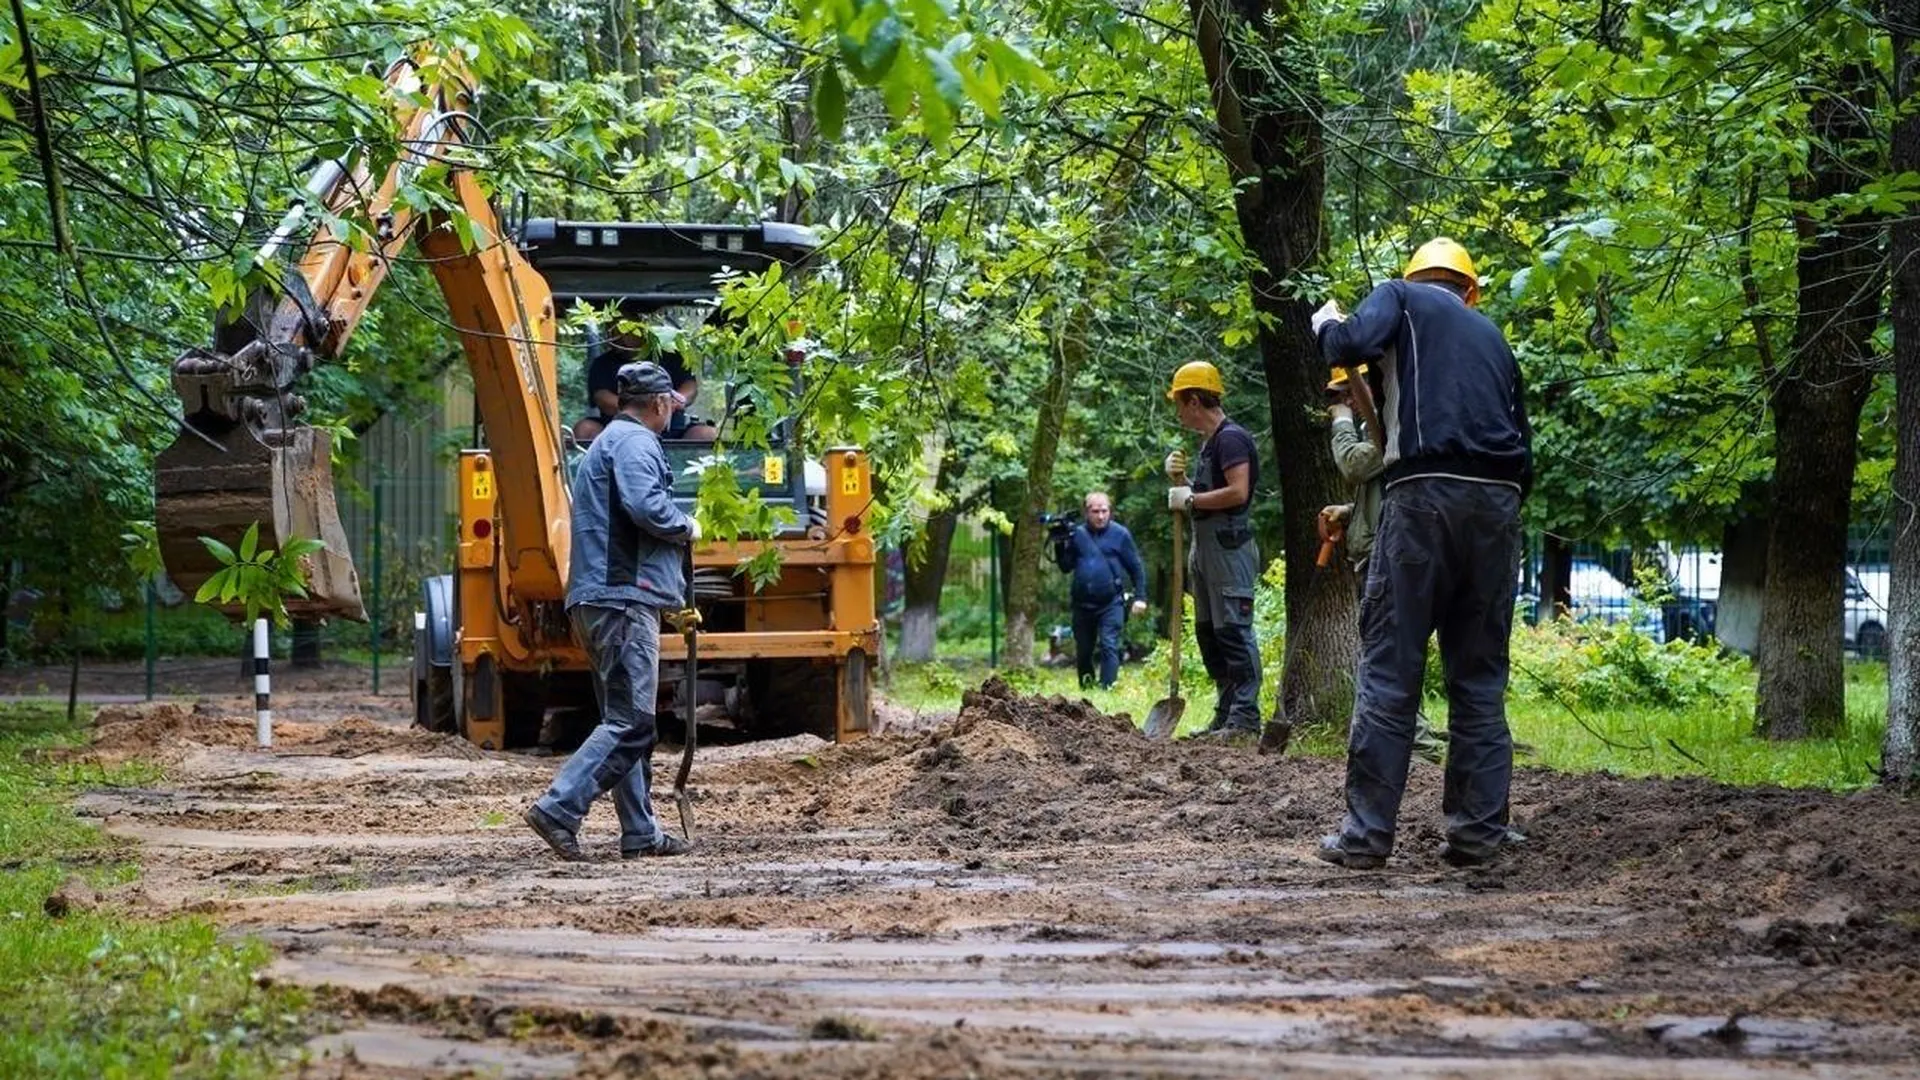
[[211, 587], [250, 542], [220, 551], [830, 102]]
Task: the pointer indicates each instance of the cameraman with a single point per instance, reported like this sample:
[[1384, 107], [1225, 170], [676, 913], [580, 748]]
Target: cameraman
[[1103, 561]]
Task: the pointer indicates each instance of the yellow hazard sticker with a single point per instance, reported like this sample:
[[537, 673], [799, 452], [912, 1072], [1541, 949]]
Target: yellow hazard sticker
[[774, 470], [483, 485], [850, 482]]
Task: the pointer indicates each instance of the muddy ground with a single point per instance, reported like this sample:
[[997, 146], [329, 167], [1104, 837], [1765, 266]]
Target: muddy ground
[[1030, 889]]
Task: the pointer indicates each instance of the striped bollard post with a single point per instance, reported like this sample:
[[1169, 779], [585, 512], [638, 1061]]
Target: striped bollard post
[[262, 694]]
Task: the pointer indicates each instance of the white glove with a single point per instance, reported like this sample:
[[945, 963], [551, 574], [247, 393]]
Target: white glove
[[1176, 462], [693, 530], [1179, 498], [1139, 607], [1327, 313], [1340, 412]]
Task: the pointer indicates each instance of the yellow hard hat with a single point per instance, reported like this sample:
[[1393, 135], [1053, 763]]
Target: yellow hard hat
[[1447, 256], [1339, 379], [1198, 375]]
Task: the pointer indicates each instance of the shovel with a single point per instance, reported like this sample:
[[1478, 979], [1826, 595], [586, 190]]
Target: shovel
[[1166, 712], [689, 695]]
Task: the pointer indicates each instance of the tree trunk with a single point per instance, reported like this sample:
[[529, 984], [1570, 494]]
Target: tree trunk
[[1556, 577], [797, 132], [1029, 535], [1816, 422], [1898, 765], [920, 616], [1743, 584], [1066, 358], [1266, 106]]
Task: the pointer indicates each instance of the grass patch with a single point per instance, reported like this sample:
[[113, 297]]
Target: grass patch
[[98, 993]]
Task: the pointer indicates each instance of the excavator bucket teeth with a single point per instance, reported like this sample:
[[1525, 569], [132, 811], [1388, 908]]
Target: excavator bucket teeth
[[218, 491]]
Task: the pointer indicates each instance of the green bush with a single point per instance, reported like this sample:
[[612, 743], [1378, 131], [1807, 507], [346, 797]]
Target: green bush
[[1601, 664]]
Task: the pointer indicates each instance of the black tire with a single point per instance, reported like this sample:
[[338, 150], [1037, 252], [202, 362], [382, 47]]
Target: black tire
[[524, 698], [433, 708], [1870, 641], [792, 697]]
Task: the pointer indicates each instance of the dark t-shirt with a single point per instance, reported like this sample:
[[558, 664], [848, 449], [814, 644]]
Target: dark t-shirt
[[603, 369], [1229, 446]]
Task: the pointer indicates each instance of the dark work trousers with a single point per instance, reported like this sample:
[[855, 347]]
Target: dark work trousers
[[1444, 560], [623, 644], [1223, 566], [1096, 632]]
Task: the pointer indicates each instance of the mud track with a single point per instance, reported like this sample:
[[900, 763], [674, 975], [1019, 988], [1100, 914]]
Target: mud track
[[1030, 889]]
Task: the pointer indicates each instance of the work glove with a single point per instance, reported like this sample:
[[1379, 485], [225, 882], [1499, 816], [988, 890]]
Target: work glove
[[1179, 498], [693, 530], [1139, 607], [1328, 312], [1340, 412], [1176, 463]]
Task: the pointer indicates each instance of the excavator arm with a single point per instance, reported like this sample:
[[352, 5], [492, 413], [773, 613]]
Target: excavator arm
[[245, 454]]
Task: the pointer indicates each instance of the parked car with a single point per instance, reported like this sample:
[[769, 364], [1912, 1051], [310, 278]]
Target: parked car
[[1864, 615], [1598, 596], [1693, 577]]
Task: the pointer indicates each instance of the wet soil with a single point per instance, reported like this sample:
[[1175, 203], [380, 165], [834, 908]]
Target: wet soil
[[1028, 889]]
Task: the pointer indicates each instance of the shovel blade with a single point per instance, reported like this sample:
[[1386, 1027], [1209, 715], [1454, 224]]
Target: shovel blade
[[685, 804], [1164, 716]]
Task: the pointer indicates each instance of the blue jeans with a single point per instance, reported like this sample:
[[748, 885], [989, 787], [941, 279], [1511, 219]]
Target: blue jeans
[[623, 645], [1097, 630]]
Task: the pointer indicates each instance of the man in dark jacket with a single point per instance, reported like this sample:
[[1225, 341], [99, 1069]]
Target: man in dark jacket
[[1107, 574], [1458, 457], [626, 567]]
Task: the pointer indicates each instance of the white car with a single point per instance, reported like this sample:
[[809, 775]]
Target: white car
[[1599, 596], [1864, 614]]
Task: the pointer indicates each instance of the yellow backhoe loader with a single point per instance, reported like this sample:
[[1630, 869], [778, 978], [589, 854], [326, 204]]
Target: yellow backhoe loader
[[495, 653]]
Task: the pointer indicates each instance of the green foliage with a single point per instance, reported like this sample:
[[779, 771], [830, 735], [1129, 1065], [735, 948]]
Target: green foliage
[[1593, 664], [259, 580], [98, 993]]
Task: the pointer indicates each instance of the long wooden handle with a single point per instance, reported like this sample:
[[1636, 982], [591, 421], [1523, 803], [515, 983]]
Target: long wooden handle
[[1177, 603]]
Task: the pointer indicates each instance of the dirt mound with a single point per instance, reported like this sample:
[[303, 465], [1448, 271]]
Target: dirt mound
[[1814, 875], [168, 731]]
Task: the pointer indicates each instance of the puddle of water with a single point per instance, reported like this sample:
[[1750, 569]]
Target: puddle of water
[[810, 946], [1094, 993], [161, 836], [392, 1046], [1755, 1034], [1513, 1032], [1213, 1025]]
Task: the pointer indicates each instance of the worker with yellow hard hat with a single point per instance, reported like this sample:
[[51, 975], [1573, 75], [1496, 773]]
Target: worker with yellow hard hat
[[1458, 459], [1223, 561]]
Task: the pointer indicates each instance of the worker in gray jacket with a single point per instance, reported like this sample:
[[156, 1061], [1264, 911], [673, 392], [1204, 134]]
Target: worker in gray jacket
[[1360, 462], [629, 540], [1357, 454], [1458, 453]]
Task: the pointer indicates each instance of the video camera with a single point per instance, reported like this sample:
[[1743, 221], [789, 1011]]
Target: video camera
[[1060, 524]]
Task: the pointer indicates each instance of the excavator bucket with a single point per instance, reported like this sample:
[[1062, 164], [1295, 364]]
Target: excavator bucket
[[219, 485]]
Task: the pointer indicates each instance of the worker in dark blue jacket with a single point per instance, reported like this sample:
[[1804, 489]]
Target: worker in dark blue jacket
[[1108, 578], [1458, 456]]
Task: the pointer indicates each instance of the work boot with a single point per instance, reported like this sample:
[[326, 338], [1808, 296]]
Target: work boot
[[668, 844], [558, 836], [1468, 858], [1331, 850]]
